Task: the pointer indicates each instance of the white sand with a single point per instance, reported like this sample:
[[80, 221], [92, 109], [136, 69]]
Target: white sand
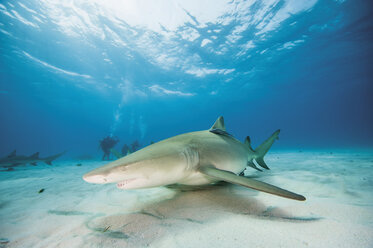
[[71, 213]]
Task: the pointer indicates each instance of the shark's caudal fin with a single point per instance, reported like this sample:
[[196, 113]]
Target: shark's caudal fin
[[230, 177], [48, 160], [261, 150]]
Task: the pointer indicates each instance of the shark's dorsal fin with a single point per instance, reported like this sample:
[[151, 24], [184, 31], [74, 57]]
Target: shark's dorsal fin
[[219, 127], [219, 124], [12, 154], [35, 155]]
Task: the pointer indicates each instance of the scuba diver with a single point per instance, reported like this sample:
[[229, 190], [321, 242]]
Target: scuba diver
[[106, 144], [135, 146], [125, 150]]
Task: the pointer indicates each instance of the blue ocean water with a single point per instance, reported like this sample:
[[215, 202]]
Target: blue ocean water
[[74, 72]]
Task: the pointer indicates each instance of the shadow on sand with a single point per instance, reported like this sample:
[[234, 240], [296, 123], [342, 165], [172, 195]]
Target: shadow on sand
[[188, 209]]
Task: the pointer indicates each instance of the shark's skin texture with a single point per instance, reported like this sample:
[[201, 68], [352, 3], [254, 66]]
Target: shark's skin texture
[[196, 158], [13, 160]]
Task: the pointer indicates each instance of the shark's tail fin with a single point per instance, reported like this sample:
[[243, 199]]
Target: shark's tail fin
[[48, 160], [261, 150]]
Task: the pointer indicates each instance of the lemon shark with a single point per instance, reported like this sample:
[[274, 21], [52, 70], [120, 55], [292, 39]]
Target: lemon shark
[[196, 158], [13, 159]]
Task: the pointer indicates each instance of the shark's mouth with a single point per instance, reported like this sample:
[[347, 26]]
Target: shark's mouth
[[123, 184]]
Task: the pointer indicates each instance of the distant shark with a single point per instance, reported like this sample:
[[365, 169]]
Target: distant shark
[[13, 159], [196, 158]]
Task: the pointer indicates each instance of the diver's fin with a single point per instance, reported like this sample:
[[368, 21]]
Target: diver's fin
[[252, 165], [116, 153], [249, 183], [35, 155], [263, 149], [248, 143], [12, 154]]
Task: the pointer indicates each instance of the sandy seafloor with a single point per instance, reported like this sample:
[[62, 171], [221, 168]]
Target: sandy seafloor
[[72, 213]]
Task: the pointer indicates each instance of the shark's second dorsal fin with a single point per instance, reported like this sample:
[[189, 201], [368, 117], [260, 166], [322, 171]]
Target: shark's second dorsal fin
[[12, 154], [219, 127], [248, 143], [35, 155]]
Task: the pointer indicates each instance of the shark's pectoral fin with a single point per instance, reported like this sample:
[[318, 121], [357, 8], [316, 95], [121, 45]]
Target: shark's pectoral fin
[[248, 182]]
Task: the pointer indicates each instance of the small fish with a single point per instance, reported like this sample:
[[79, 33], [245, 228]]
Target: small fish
[[107, 228], [41, 191], [78, 164]]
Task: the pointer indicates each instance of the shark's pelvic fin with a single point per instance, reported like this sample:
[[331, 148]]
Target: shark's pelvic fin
[[263, 149], [252, 165], [12, 154], [249, 182]]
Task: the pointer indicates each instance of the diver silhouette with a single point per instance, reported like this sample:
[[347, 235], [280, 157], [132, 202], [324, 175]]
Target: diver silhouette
[[106, 144]]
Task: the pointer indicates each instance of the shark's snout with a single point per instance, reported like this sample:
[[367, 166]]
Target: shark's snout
[[94, 178]]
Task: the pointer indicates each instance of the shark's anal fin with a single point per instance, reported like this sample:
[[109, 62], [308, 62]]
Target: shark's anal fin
[[252, 165], [248, 182]]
